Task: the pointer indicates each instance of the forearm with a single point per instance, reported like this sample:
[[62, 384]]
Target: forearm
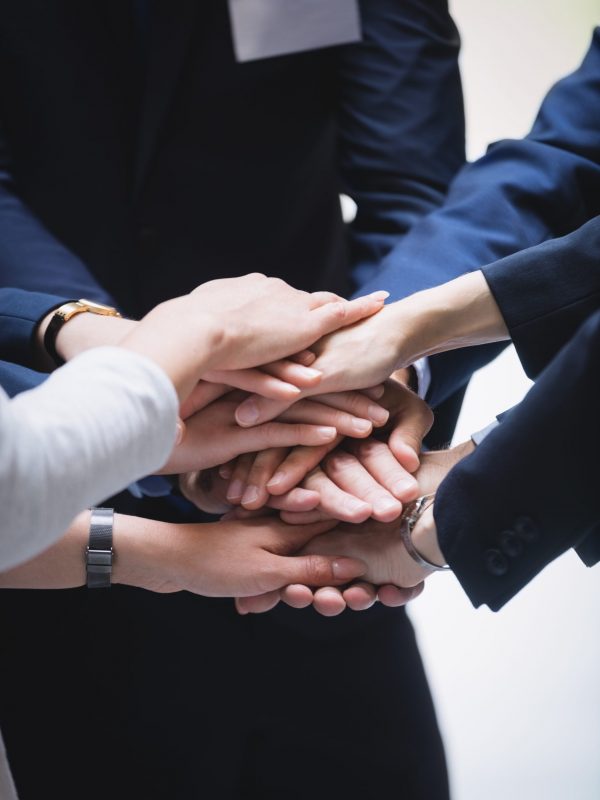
[[460, 313], [80, 437], [138, 544], [150, 338]]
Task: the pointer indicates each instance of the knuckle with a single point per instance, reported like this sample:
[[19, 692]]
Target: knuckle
[[356, 403], [338, 310], [266, 577], [367, 448], [338, 463], [271, 432], [318, 570]]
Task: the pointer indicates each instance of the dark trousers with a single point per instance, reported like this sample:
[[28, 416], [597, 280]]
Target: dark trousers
[[125, 694]]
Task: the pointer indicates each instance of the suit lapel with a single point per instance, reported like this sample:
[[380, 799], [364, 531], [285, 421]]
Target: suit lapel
[[169, 31]]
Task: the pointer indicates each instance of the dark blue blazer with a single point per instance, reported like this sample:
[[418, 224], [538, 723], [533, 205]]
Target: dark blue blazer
[[530, 490], [129, 177], [521, 193]]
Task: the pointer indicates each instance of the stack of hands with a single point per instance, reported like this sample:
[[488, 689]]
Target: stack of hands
[[300, 426]]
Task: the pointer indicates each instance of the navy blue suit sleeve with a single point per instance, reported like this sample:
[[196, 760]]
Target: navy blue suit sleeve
[[508, 509], [519, 194], [31, 257], [401, 122], [15, 378], [547, 291], [20, 313]]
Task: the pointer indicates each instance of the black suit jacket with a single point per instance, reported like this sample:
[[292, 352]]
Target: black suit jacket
[[133, 176], [130, 177], [530, 490]]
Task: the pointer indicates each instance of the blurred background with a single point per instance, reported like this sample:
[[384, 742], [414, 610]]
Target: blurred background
[[517, 692]]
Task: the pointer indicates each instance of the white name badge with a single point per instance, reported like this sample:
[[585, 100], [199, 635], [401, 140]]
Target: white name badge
[[265, 28]]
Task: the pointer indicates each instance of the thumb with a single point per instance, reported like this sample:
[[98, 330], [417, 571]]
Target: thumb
[[257, 409], [202, 395], [409, 429], [313, 570]]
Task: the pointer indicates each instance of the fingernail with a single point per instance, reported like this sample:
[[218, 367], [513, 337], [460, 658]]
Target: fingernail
[[404, 487], [386, 504], [236, 490], [180, 432], [250, 495], [344, 568], [309, 372], [225, 472], [381, 295], [361, 425], [247, 412], [353, 505], [240, 609], [327, 434], [378, 414], [276, 479]]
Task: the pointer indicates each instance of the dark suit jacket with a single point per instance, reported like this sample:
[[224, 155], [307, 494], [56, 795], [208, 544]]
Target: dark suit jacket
[[530, 490], [215, 168], [521, 193], [130, 195]]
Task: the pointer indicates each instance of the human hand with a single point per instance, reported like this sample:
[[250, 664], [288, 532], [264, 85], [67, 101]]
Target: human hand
[[460, 313], [231, 324], [207, 490], [211, 436], [263, 319], [225, 559], [381, 550], [353, 414], [357, 357], [361, 478]]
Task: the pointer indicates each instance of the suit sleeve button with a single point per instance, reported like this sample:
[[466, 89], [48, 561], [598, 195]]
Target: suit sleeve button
[[526, 529], [510, 544], [495, 562]]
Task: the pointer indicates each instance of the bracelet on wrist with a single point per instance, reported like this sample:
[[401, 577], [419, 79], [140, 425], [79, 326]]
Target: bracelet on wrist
[[99, 552], [407, 523]]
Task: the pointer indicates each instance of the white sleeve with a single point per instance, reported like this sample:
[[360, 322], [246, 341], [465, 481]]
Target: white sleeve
[[105, 419]]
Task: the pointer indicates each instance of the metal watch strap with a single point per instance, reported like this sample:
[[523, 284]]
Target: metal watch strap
[[99, 553], [408, 522]]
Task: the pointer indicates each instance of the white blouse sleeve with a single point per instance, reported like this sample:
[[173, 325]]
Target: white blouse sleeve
[[105, 419]]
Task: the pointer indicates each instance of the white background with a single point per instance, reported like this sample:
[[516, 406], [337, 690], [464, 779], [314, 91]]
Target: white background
[[517, 692]]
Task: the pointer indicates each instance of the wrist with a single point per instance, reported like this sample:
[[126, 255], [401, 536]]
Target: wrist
[[144, 551], [182, 342], [80, 333], [460, 313], [424, 537]]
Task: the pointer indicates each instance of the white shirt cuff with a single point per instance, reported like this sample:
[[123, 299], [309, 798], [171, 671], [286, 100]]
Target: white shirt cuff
[[479, 436], [423, 376]]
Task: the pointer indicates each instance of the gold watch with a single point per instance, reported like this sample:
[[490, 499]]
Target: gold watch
[[66, 312]]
